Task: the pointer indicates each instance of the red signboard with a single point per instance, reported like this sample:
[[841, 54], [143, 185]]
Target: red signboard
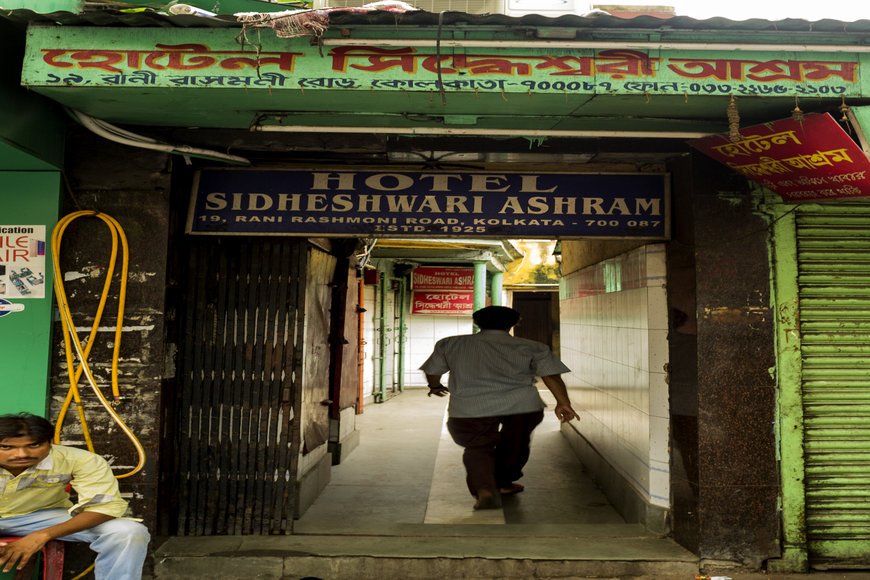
[[438, 278], [436, 302], [808, 160], [442, 290]]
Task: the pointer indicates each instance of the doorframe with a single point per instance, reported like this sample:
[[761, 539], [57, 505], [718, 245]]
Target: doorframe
[[789, 405]]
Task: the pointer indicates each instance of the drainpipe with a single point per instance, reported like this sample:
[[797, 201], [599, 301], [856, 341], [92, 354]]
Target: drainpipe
[[496, 288], [479, 285], [361, 351], [382, 338], [401, 335]]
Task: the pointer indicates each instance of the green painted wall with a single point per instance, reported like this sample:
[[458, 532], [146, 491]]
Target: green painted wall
[[31, 126], [27, 198], [862, 116]]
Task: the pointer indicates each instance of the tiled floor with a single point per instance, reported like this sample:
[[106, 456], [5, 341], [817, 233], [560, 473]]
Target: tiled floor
[[407, 470], [398, 507]]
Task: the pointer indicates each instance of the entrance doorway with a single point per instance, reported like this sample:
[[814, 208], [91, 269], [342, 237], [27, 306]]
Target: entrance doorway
[[610, 325], [606, 334], [539, 316]]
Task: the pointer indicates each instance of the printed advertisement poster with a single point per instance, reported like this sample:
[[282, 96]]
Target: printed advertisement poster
[[22, 262]]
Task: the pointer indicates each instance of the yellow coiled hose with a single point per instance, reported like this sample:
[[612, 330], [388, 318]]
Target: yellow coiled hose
[[71, 339], [72, 342]]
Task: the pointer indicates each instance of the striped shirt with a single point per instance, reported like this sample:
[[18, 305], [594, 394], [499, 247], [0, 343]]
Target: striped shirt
[[492, 373], [44, 486]]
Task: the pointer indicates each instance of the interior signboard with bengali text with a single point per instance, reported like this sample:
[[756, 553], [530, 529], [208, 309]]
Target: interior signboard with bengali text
[[442, 290]]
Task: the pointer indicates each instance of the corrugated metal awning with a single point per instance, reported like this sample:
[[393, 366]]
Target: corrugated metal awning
[[821, 29]]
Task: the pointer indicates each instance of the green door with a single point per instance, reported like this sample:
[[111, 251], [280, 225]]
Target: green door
[[825, 413]]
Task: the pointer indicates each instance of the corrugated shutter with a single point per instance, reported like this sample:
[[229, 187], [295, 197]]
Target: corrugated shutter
[[833, 243]]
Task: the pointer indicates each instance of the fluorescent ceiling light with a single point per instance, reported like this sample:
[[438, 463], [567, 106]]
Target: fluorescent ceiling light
[[481, 132]]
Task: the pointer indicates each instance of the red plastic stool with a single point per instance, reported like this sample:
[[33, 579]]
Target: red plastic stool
[[52, 559]]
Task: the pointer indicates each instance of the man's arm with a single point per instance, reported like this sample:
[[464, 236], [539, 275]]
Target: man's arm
[[563, 408], [22, 550], [435, 386]]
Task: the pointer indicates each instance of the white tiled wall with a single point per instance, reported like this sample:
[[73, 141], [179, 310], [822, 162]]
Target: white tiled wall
[[424, 330], [614, 339], [370, 339], [422, 333]]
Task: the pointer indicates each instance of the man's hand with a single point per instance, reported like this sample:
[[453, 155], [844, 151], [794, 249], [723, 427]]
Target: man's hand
[[21, 551], [563, 408], [565, 413], [435, 386]]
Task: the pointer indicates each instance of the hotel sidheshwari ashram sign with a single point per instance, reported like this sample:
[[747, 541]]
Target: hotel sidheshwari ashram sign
[[808, 160], [442, 290]]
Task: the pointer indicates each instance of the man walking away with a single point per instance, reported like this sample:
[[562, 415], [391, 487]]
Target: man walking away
[[494, 405]]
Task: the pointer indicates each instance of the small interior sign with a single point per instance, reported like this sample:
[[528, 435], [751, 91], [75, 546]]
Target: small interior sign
[[442, 290]]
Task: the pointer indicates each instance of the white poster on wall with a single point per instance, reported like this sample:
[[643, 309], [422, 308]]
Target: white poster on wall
[[22, 262]]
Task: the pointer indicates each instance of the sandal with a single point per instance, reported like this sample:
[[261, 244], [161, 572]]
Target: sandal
[[512, 490], [487, 502]]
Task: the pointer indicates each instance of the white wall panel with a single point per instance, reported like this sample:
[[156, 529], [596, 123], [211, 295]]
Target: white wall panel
[[614, 338], [370, 346], [424, 330]]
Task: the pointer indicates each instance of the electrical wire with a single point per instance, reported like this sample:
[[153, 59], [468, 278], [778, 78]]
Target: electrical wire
[[71, 338], [119, 135]]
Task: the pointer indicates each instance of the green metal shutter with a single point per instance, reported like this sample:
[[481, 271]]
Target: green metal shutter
[[833, 249]]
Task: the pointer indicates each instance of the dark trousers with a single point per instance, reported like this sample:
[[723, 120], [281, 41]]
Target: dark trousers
[[496, 448]]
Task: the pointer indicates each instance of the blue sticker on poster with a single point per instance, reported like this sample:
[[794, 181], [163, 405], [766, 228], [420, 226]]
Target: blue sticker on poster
[[7, 307]]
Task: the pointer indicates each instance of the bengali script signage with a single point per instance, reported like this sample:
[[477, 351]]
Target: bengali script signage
[[442, 290], [433, 302], [196, 57], [809, 160], [390, 203]]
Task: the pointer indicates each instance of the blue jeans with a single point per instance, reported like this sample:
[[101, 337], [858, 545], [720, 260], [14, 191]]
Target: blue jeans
[[121, 545]]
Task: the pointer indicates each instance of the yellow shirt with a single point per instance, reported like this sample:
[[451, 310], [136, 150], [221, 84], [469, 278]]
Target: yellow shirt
[[44, 485]]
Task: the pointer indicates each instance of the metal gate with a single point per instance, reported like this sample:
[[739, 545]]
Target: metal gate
[[240, 363], [832, 327]]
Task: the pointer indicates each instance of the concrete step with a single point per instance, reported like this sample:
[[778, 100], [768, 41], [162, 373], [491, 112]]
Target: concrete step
[[422, 552]]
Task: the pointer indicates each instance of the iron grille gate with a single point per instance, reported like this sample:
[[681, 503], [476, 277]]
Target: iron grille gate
[[833, 249], [237, 441]]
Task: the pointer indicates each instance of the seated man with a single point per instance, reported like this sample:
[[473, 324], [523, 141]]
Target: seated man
[[35, 503]]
